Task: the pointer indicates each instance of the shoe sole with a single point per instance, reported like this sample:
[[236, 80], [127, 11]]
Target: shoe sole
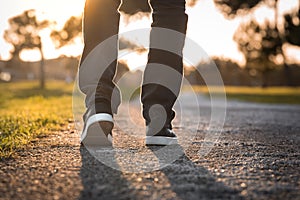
[[160, 140], [98, 134]]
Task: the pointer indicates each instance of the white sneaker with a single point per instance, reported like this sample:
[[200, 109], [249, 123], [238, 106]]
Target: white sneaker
[[97, 130]]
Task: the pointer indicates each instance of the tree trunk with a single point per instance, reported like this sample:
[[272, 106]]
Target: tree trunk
[[281, 33], [42, 70]]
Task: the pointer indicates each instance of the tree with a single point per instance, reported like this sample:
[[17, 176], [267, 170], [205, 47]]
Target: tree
[[273, 36], [72, 29], [292, 28], [23, 34], [260, 44], [231, 8]]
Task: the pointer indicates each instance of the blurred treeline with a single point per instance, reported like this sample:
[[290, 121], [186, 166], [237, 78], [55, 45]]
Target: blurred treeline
[[264, 45]]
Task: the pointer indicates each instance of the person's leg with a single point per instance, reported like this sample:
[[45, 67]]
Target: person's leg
[[100, 22], [168, 14]]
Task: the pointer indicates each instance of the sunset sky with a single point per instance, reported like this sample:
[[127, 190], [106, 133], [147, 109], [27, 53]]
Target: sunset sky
[[206, 26]]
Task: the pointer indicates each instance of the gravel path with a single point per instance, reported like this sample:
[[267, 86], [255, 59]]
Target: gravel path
[[257, 156]]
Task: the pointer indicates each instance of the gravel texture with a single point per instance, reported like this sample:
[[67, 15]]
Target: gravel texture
[[257, 156]]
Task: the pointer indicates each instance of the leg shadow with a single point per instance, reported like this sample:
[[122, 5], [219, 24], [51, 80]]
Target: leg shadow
[[191, 181], [100, 181]]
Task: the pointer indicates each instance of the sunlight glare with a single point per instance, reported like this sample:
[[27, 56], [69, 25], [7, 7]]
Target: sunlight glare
[[133, 59], [30, 55]]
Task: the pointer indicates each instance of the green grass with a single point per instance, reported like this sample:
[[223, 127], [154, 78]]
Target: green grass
[[269, 95], [28, 112]]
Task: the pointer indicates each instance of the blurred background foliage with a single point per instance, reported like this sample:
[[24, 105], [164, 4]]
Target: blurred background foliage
[[262, 44]]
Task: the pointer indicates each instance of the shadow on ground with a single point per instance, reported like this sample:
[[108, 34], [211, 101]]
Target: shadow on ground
[[181, 179]]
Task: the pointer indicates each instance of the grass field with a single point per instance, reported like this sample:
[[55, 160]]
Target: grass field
[[28, 112], [269, 95]]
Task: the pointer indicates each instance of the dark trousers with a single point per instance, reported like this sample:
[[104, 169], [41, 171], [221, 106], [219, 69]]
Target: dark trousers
[[101, 21]]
